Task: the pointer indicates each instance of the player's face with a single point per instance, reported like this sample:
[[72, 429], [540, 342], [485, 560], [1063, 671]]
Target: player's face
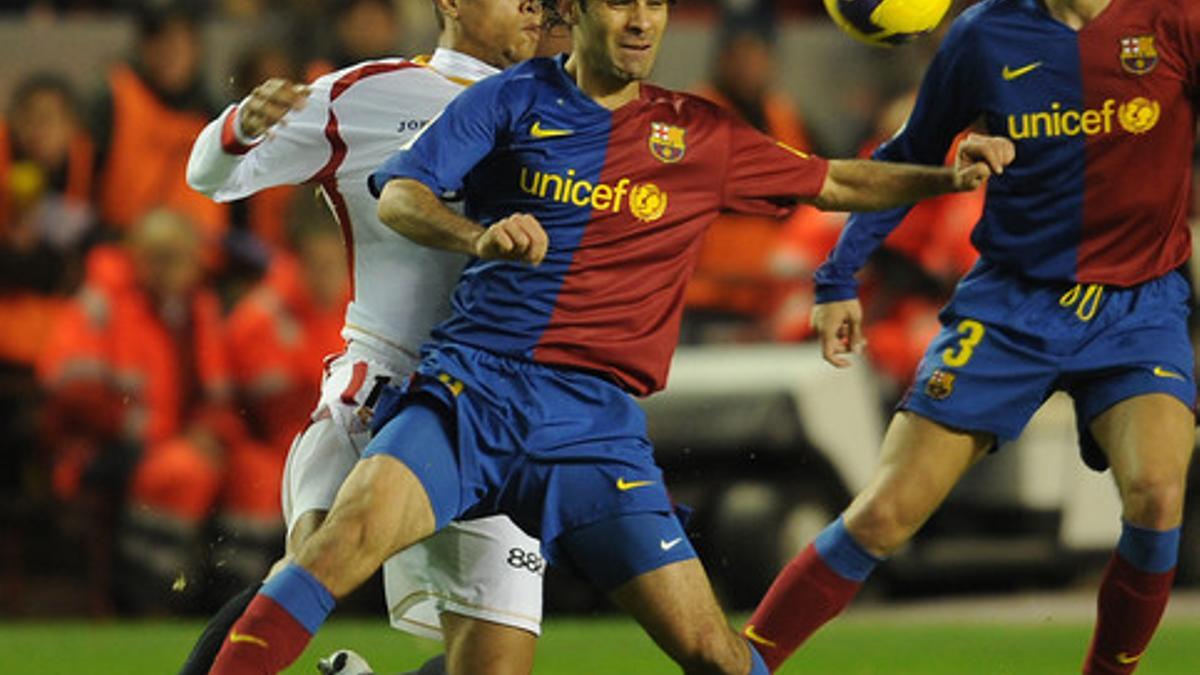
[[622, 36], [500, 32]]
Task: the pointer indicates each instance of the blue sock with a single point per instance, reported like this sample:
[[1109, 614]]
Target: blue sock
[[757, 665], [1153, 551], [301, 595], [844, 555]]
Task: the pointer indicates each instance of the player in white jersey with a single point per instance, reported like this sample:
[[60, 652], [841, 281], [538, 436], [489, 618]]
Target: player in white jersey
[[478, 584]]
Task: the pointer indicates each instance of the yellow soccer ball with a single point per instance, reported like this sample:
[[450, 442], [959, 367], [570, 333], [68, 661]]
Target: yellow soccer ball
[[887, 23]]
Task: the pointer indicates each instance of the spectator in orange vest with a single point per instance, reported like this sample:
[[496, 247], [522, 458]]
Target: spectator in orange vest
[[734, 290], [146, 119], [140, 391], [45, 223], [45, 214]]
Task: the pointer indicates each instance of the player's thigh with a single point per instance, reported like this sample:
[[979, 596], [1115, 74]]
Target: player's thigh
[[382, 507], [480, 647], [921, 461], [1148, 440]]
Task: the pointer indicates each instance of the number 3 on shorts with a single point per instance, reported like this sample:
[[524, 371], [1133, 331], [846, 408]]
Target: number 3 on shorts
[[972, 332]]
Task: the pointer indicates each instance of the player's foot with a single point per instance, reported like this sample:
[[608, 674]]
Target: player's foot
[[344, 662]]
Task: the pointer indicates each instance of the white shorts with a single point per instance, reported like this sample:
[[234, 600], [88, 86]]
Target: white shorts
[[486, 569]]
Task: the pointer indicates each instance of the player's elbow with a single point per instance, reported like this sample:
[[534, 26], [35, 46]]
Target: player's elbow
[[837, 195], [399, 204], [199, 180]]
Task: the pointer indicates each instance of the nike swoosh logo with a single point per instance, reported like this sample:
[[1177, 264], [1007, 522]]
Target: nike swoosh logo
[[538, 132], [668, 545], [1125, 659], [624, 485], [236, 637], [1159, 371], [756, 638], [1011, 74]]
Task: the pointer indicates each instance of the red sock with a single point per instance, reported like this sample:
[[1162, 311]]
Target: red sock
[[805, 595], [264, 641], [1130, 605]]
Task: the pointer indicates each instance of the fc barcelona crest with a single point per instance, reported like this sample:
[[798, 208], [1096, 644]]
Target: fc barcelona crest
[[940, 385], [666, 142], [1138, 54]]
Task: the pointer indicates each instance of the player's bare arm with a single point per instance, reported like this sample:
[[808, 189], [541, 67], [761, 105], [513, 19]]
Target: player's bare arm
[[268, 104], [864, 185], [410, 208]]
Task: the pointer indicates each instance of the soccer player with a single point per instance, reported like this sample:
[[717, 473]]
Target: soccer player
[[464, 584], [1077, 289], [587, 194]]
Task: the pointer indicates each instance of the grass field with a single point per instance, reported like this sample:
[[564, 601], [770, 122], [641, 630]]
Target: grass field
[[853, 646]]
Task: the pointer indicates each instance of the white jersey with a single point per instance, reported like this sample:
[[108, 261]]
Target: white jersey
[[354, 120]]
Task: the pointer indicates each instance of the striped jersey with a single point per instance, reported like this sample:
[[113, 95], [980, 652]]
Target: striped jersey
[[353, 120], [1103, 120], [624, 196]]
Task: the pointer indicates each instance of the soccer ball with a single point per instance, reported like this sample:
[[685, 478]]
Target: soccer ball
[[886, 23]]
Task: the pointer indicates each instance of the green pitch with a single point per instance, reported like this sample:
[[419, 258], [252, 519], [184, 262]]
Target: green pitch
[[616, 646]]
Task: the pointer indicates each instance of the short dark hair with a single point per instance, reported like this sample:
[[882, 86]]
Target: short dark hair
[[153, 16]]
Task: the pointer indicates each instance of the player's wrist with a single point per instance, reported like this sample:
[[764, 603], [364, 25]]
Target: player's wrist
[[234, 138]]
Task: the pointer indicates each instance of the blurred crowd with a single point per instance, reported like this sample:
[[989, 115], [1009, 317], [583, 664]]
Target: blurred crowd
[[158, 351]]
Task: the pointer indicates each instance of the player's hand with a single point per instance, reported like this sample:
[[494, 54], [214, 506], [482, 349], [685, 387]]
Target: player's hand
[[518, 237], [980, 157], [268, 103], [839, 327]]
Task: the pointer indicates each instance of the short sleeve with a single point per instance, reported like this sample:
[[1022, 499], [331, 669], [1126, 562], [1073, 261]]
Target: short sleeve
[[446, 150], [765, 176]]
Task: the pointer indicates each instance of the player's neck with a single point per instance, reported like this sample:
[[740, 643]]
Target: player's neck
[[1076, 13], [454, 39], [603, 87]]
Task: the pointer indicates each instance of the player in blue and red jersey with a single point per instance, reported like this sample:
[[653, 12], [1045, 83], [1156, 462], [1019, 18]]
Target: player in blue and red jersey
[[1077, 289], [587, 193]]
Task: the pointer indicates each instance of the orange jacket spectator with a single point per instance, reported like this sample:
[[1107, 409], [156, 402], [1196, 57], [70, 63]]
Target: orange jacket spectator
[[34, 264], [278, 336], [118, 371], [733, 272], [146, 156]]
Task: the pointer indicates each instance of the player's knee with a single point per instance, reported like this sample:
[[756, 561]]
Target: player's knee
[[712, 649], [1154, 501], [880, 524]]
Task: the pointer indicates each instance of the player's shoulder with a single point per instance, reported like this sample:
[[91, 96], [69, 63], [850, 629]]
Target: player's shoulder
[[987, 16], [682, 106], [526, 77], [393, 72], [515, 89]]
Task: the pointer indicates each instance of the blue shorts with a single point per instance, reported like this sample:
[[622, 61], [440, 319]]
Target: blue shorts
[[554, 449], [1008, 342]]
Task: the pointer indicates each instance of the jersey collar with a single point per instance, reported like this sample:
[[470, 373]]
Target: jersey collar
[[459, 67]]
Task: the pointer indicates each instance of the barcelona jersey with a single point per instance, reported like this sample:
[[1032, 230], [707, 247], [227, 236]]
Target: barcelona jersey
[[624, 196], [1103, 120]]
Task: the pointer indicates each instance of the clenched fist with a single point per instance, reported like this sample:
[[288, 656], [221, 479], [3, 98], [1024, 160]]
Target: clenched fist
[[518, 237]]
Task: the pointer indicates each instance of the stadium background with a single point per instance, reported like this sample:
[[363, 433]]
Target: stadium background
[[762, 439]]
